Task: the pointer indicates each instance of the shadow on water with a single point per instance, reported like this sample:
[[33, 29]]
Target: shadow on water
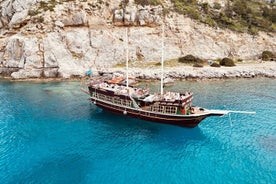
[[70, 168], [121, 124]]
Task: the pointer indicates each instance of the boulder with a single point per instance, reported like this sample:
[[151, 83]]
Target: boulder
[[33, 61], [25, 74], [50, 72], [14, 12], [13, 55], [75, 19], [6, 72], [149, 16], [130, 16], [18, 18], [118, 17], [50, 60], [138, 15]]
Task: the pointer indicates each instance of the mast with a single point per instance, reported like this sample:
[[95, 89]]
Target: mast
[[126, 47], [162, 61]]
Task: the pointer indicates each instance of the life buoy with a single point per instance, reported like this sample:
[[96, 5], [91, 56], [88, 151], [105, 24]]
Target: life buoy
[[183, 111], [192, 110]]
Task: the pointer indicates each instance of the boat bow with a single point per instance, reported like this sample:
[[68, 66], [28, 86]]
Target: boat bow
[[224, 112]]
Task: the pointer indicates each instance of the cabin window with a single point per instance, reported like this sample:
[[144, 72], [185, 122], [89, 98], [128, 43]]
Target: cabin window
[[126, 103], [170, 109], [117, 101], [102, 97], [157, 108], [108, 98]]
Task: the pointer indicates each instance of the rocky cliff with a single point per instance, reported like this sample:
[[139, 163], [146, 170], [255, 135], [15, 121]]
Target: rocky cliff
[[65, 38]]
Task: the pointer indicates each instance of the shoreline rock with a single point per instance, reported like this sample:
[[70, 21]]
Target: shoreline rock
[[250, 70], [267, 69]]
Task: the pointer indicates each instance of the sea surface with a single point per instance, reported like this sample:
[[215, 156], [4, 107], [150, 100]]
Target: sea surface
[[49, 133]]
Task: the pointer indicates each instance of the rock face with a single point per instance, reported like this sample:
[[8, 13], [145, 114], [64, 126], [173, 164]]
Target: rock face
[[46, 38], [138, 16]]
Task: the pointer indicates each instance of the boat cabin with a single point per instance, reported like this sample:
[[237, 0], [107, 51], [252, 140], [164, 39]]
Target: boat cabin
[[168, 103]]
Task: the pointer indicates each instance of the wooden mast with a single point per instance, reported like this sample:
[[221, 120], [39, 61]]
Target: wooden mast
[[126, 47], [162, 62]]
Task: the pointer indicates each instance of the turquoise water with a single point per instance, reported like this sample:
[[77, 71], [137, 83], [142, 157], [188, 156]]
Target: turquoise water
[[51, 134]]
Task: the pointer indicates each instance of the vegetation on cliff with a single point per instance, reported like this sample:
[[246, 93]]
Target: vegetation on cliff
[[227, 62], [148, 2], [243, 16], [215, 65], [268, 56], [248, 16], [190, 59]]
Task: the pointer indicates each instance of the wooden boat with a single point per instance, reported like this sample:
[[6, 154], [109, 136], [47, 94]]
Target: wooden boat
[[169, 108]]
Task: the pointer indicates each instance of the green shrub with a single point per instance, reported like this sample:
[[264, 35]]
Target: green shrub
[[166, 11], [187, 7], [268, 55], [265, 57], [190, 59], [158, 64], [48, 5], [187, 59], [227, 62], [252, 30], [40, 19], [193, 13], [217, 6], [148, 2], [215, 65], [241, 8], [33, 12], [210, 22], [205, 7], [178, 6]]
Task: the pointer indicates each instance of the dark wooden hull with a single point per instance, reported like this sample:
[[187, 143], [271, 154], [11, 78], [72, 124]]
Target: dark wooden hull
[[179, 120]]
